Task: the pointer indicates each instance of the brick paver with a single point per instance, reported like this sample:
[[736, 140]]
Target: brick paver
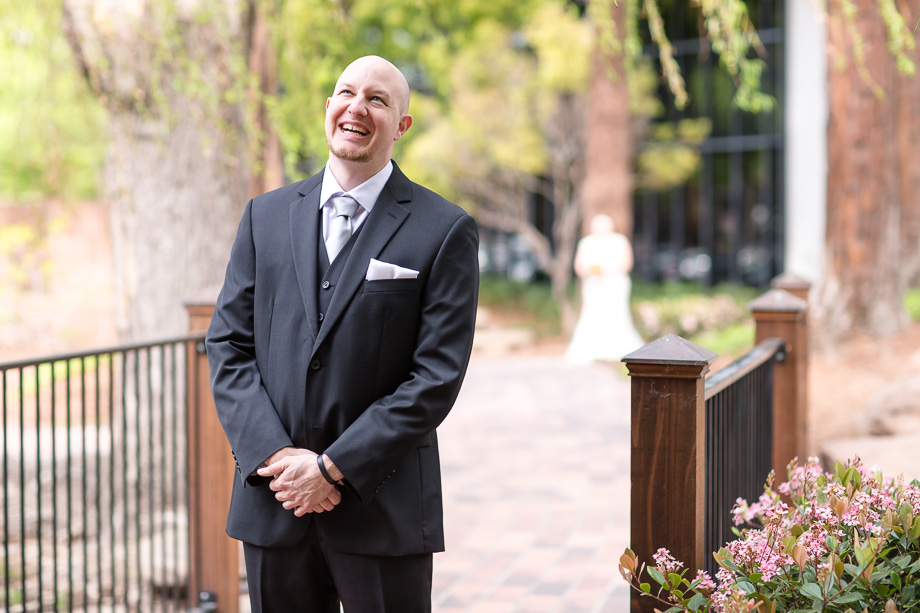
[[535, 458]]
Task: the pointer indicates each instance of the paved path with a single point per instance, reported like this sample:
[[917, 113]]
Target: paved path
[[535, 459]]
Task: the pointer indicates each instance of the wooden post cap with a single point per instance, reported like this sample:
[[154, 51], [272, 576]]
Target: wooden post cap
[[671, 349], [777, 301], [799, 287], [790, 281]]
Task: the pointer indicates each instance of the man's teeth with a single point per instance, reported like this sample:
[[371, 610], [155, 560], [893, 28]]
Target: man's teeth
[[354, 130]]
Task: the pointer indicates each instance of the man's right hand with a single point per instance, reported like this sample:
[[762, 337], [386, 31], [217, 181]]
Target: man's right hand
[[297, 482]]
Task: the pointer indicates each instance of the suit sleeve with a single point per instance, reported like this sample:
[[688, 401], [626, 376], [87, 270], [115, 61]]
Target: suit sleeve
[[379, 440], [245, 410]]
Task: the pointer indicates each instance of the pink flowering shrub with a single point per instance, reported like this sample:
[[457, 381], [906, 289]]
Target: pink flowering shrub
[[840, 542]]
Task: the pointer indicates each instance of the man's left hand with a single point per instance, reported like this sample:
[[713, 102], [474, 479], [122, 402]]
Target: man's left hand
[[299, 486]]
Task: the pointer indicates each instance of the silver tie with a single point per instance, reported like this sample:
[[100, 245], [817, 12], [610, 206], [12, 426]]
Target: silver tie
[[340, 225]]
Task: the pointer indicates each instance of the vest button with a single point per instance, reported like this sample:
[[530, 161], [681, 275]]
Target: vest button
[[325, 284], [315, 364], [321, 317]]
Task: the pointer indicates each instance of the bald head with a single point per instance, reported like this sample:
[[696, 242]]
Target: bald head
[[365, 116], [383, 70]]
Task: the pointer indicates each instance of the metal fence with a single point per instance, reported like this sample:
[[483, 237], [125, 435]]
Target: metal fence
[[739, 431], [94, 480]]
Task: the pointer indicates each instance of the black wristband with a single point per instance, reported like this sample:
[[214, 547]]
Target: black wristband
[[323, 471]]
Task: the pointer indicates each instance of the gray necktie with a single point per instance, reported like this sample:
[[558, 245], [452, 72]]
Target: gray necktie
[[340, 225]]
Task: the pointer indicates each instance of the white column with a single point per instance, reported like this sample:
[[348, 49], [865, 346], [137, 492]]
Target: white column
[[806, 138]]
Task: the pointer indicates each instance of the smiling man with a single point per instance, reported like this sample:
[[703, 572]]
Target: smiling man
[[340, 339]]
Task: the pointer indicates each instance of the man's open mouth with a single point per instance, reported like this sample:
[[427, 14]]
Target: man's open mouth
[[353, 129]]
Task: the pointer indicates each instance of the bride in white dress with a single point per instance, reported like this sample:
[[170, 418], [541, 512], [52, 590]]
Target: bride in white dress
[[604, 332]]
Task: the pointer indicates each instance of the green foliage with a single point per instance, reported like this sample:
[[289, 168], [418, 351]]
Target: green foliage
[[527, 304], [715, 318], [912, 303], [317, 38], [51, 127], [837, 542], [482, 73], [670, 155], [725, 23]]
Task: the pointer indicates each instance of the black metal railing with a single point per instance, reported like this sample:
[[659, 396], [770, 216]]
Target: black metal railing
[[739, 437], [94, 480]]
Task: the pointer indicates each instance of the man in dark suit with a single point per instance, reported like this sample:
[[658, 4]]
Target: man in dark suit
[[339, 342]]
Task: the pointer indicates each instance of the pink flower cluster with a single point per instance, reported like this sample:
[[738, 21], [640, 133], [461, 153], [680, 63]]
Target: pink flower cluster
[[854, 507], [665, 562]]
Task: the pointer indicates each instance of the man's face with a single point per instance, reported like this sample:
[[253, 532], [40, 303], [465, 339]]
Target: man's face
[[366, 113]]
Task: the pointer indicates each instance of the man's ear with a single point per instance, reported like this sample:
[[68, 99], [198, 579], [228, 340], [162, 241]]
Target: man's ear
[[404, 124]]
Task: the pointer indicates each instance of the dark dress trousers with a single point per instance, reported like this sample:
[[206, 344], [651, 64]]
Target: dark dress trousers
[[366, 378]]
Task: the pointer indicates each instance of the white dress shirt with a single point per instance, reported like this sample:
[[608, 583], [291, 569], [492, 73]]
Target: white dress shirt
[[365, 194]]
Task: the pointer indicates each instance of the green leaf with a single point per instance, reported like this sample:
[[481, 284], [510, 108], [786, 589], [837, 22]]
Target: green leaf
[[901, 561], [674, 579], [655, 574], [852, 476], [849, 597], [645, 587], [895, 579], [695, 602], [811, 590]]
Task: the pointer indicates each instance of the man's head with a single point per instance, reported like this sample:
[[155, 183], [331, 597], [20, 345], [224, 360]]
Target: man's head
[[367, 112]]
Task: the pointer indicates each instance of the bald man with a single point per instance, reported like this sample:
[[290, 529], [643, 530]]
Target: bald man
[[339, 342]]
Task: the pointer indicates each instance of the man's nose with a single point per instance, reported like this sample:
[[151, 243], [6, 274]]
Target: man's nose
[[358, 106]]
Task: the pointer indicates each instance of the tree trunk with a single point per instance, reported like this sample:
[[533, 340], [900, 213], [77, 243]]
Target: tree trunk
[[177, 172], [872, 196], [174, 209], [608, 184]]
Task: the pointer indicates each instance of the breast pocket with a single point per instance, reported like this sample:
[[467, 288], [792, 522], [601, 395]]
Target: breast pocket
[[391, 285], [390, 319]]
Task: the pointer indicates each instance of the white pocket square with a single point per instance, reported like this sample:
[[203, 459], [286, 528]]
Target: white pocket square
[[383, 270]]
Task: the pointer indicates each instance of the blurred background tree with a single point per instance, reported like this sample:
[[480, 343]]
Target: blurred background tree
[[173, 79], [873, 194]]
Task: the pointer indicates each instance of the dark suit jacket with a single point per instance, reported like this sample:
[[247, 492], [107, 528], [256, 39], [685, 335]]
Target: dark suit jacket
[[368, 384]]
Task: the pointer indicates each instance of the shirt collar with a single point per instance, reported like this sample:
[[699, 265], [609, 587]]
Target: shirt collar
[[366, 194]]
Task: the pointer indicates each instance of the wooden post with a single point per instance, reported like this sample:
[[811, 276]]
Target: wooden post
[[668, 459], [213, 556], [779, 313], [794, 284]]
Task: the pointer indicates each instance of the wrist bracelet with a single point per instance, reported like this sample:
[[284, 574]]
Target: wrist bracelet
[[323, 471]]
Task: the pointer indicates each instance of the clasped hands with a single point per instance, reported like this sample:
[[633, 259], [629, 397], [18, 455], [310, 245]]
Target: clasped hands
[[297, 482]]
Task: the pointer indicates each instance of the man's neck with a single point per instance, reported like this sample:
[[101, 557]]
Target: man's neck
[[350, 175]]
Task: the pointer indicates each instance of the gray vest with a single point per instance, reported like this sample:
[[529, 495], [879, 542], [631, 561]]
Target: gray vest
[[329, 275]]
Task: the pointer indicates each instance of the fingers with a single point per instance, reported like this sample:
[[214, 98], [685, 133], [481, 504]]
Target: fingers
[[302, 507], [275, 468]]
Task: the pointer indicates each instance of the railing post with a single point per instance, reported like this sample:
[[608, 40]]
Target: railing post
[[794, 284], [668, 461], [781, 314], [213, 556]]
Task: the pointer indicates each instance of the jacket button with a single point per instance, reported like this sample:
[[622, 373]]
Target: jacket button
[[321, 316], [315, 364], [325, 284]]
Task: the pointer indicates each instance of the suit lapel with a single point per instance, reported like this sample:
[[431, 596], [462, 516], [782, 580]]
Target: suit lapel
[[304, 230], [384, 220]]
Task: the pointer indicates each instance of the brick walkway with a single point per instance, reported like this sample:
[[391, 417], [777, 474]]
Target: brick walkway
[[535, 458]]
